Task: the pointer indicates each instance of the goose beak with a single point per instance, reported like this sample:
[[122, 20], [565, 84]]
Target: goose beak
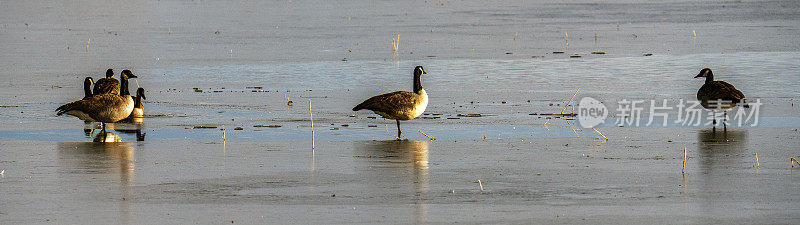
[[132, 76], [701, 74]]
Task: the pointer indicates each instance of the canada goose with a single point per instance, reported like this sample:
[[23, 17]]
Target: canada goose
[[105, 108], [107, 85], [399, 105], [87, 93], [87, 87], [721, 94], [138, 111]]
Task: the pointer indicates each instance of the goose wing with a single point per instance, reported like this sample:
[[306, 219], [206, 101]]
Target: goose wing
[[730, 89], [720, 90], [389, 102]]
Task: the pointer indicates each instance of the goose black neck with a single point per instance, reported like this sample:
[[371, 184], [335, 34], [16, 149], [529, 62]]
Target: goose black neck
[[417, 83], [709, 77], [137, 102], [87, 88], [124, 86]]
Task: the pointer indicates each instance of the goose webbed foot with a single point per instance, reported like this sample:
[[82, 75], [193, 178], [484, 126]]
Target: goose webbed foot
[[399, 132]]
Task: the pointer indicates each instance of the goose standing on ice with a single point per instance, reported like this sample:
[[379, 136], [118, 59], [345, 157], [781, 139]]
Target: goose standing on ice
[[104, 108], [107, 85], [87, 93], [138, 109], [137, 114], [399, 105], [721, 94]]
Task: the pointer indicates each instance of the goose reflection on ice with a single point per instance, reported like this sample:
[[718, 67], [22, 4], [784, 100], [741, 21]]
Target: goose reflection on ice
[[397, 162], [104, 170], [721, 155], [397, 167], [139, 134], [714, 146], [112, 157], [135, 127], [107, 136]]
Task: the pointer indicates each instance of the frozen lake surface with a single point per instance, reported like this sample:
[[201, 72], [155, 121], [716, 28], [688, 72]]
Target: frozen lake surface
[[492, 76]]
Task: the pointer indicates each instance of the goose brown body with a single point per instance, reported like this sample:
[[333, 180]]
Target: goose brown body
[[107, 85], [107, 108], [398, 105]]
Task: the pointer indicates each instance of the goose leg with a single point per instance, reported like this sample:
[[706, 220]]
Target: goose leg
[[725, 120], [714, 120], [399, 133], [714, 114]]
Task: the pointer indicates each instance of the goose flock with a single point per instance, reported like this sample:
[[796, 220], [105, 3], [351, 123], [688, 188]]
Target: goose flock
[[110, 101]]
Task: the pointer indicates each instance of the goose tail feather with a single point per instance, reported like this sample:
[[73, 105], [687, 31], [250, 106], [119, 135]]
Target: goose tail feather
[[359, 107], [66, 107], [371, 102]]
